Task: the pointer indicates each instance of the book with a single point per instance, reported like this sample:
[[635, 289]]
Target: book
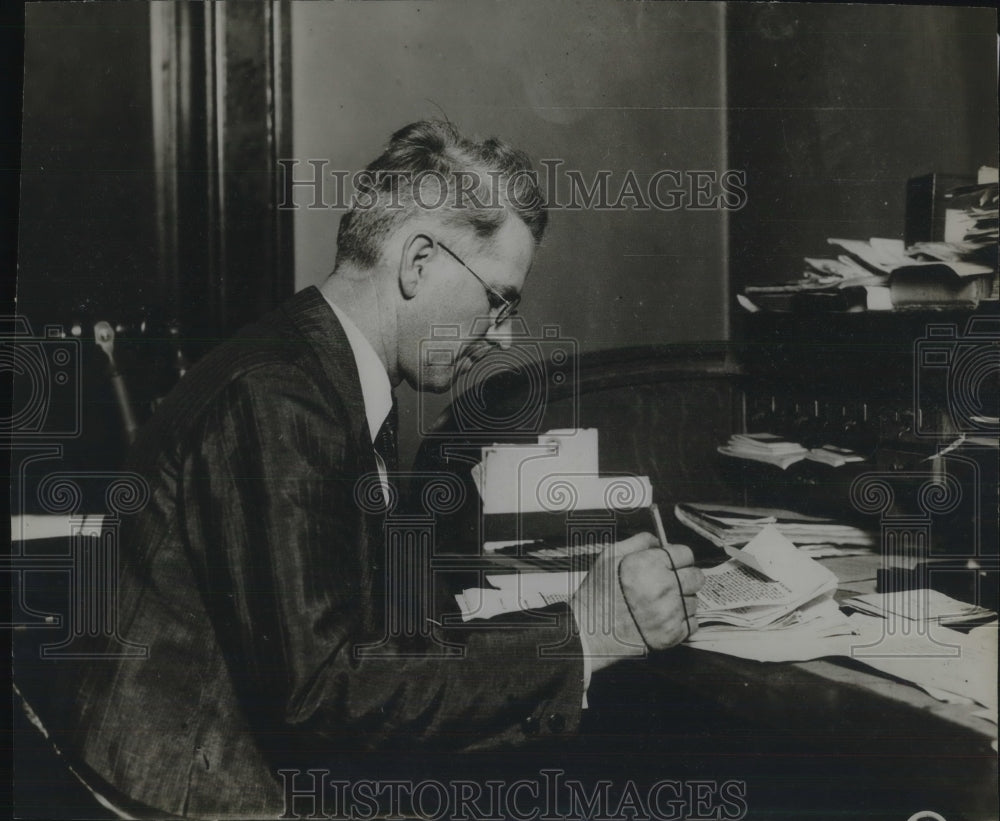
[[882, 273], [763, 585], [734, 525], [939, 282]]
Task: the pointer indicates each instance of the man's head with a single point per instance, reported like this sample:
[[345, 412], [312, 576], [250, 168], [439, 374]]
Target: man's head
[[447, 227]]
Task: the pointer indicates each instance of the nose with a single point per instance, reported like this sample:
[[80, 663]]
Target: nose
[[499, 336]]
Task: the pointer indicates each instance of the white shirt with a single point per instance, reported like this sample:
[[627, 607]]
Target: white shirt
[[376, 390]]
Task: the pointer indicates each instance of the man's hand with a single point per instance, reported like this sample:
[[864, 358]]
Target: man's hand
[[631, 600]]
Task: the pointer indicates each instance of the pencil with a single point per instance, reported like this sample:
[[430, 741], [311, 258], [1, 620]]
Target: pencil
[[660, 532], [662, 536]]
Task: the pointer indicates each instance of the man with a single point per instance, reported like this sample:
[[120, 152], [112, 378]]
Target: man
[[255, 577]]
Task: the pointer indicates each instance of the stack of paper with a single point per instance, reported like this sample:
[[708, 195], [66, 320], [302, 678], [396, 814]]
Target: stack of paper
[[508, 476], [922, 605], [931, 273], [842, 272], [883, 274], [945, 663], [949, 665], [822, 550], [733, 525], [855, 280], [776, 450], [834, 456], [878, 255], [512, 592], [971, 215], [558, 474], [764, 447], [819, 627]]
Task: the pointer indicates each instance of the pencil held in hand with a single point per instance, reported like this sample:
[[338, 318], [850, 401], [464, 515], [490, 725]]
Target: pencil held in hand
[[661, 534], [689, 601]]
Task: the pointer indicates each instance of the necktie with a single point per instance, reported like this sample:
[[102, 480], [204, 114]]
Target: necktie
[[387, 442]]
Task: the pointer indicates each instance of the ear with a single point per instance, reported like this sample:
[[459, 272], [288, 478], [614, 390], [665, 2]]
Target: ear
[[418, 250]]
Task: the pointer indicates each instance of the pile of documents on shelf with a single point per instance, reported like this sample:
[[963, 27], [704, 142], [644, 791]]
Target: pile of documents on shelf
[[733, 526], [775, 450], [971, 216], [884, 274]]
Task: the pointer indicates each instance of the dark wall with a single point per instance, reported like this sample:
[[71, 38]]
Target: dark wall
[[828, 109], [88, 232], [833, 107], [597, 85], [87, 246]]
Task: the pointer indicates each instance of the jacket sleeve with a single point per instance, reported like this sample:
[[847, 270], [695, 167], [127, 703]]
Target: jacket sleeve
[[273, 529]]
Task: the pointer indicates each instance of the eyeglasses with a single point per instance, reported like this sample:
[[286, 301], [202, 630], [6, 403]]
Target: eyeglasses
[[506, 308]]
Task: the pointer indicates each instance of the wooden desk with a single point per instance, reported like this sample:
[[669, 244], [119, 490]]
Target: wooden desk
[[806, 743], [824, 739], [819, 739]]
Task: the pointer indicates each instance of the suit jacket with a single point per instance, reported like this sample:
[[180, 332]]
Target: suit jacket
[[254, 574]]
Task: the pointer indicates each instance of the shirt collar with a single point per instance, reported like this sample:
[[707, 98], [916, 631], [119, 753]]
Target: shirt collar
[[376, 390]]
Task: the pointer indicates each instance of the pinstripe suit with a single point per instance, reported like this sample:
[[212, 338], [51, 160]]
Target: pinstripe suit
[[253, 574]]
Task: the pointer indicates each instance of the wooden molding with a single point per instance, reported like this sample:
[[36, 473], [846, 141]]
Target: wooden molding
[[221, 118]]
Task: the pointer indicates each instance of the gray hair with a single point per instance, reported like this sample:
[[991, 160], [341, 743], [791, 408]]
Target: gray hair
[[429, 165]]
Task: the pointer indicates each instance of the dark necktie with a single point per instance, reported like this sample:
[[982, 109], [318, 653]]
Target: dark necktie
[[387, 442]]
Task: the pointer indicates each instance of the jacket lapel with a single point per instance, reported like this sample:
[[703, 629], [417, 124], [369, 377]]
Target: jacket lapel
[[316, 321]]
